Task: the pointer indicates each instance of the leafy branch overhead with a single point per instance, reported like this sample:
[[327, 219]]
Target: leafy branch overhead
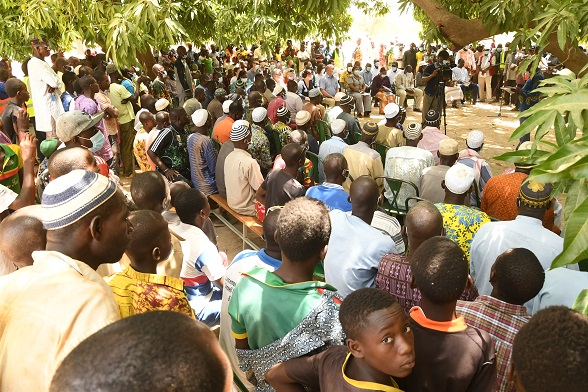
[[562, 112], [126, 29]]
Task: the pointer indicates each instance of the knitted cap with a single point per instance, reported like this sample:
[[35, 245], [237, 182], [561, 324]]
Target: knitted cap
[[370, 128], [338, 96], [391, 110], [199, 117], [346, 100], [191, 105], [338, 126], [459, 178], [535, 194], [475, 139], [239, 130], [432, 117], [226, 106], [413, 131], [302, 117], [71, 197], [219, 92], [283, 112], [278, 89], [259, 114], [315, 92], [161, 104], [448, 147]]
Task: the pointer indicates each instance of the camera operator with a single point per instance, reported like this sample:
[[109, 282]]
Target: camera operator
[[432, 76]]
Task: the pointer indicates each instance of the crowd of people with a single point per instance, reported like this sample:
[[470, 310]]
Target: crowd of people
[[392, 261]]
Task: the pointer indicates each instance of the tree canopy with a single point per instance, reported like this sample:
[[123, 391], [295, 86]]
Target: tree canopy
[[555, 25], [127, 28]]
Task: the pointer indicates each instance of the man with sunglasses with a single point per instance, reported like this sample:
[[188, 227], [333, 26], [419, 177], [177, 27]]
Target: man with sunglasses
[[242, 173]]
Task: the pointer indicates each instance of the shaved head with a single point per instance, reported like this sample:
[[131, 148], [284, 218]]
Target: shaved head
[[71, 158], [175, 189], [333, 166], [292, 153], [21, 233], [423, 221], [150, 231], [364, 193], [299, 137]]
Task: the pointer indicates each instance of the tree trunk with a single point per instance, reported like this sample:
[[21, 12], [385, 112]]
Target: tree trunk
[[147, 60], [464, 31]]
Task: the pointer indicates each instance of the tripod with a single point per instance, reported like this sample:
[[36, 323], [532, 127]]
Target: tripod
[[440, 95], [499, 86]]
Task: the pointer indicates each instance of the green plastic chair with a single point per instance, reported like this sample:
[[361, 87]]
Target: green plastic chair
[[315, 162], [323, 129], [382, 149], [395, 184], [277, 141], [476, 194]]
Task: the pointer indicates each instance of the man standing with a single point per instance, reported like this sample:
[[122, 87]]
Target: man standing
[[122, 100], [242, 173], [409, 57], [461, 76], [202, 154], [46, 91], [407, 163], [486, 64], [50, 307], [355, 247], [158, 88], [222, 131], [357, 53], [432, 78], [215, 107], [183, 76]]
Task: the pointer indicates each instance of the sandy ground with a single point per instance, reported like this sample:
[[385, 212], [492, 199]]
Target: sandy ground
[[459, 123]]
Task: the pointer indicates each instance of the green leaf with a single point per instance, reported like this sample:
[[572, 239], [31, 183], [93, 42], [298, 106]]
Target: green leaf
[[581, 303], [576, 194], [576, 238], [522, 156], [531, 123], [562, 35]]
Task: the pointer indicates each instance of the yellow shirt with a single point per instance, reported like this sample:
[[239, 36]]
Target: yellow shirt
[[137, 292], [391, 137], [363, 161], [46, 310]]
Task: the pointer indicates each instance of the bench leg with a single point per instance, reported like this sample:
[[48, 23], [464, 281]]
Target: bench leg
[[241, 234]]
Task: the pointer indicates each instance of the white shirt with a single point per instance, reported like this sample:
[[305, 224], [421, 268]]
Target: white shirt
[[460, 74], [47, 105], [334, 145], [7, 197], [354, 253], [562, 286], [406, 163], [496, 237], [404, 80], [392, 75]]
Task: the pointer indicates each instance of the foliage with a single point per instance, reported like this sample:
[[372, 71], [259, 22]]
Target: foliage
[[126, 28], [564, 114], [581, 303]]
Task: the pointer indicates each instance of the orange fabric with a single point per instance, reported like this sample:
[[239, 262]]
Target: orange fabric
[[499, 199], [222, 131], [456, 325]]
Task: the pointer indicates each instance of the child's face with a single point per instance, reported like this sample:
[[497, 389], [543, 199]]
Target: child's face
[[388, 345]]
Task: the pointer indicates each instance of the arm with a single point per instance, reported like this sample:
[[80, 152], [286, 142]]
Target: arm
[[279, 379], [157, 147], [431, 76], [260, 195], [28, 148]]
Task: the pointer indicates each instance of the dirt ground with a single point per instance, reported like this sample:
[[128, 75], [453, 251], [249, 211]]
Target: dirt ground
[[459, 123]]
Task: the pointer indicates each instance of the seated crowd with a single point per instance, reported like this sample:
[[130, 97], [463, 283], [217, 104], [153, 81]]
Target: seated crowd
[[392, 261]]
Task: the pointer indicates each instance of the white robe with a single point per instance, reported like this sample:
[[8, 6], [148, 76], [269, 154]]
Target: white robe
[[47, 105]]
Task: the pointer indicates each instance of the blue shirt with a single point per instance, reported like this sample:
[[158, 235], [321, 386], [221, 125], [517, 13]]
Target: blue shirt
[[354, 253], [562, 286], [202, 156], [333, 195], [333, 145], [66, 100], [126, 83]]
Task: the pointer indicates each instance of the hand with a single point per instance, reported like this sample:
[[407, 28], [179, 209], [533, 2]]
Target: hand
[[22, 120], [170, 174], [28, 147], [50, 89], [435, 72]]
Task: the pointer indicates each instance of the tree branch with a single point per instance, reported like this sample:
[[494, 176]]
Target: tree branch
[[461, 32]]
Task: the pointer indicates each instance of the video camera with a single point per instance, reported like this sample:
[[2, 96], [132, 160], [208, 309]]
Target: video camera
[[445, 69]]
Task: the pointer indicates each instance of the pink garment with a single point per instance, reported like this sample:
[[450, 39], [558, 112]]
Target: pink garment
[[432, 136], [272, 108]]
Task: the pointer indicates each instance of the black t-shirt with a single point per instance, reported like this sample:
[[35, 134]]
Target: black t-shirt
[[8, 120], [431, 86], [281, 188]]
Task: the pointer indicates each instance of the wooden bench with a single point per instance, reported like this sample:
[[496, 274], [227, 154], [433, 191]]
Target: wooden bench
[[249, 222]]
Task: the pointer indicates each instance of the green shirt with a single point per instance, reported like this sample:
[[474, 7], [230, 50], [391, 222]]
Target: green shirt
[[117, 93], [264, 308], [10, 167]]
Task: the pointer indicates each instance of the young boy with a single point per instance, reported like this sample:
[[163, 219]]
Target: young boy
[[162, 120], [138, 288], [69, 95], [450, 356], [139, 148], [516, 277], [550, 352], [280, 315], [281, 185], [17, 96], [379, 346]]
